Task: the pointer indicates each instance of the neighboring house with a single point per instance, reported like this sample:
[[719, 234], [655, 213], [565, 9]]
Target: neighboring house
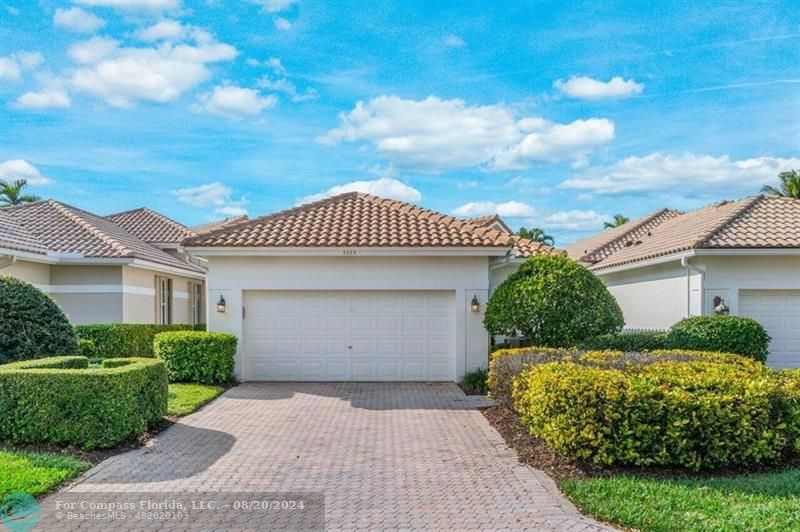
[[219, 224], [355, 287], [669, 265], [97, 271]]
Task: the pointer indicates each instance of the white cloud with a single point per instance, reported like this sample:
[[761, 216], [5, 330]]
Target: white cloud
[[167, 29], [44, 99], [15, 169], [689, 173], [135, 6], [454, 41], [385, 187], [275, 64], [123, 76], [215, 195], [282, 24], [586, 88], [290, 89], [509, 209], [437, 134], [230, 100], [76, 19], [93, 50], [574, 220], [12, 66], [275, 6]]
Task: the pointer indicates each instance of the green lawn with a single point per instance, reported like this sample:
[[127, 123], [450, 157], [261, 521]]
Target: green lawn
[[186, 398], [36, 473], [749, 502]]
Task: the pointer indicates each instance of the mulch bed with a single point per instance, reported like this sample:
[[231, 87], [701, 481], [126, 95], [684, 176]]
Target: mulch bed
[[533, 451]]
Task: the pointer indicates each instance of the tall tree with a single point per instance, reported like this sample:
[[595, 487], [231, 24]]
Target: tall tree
[[537, 235], [789, 185], [12, 193], [617, 221]]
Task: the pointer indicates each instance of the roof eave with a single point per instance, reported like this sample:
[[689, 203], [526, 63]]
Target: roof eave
[[493, 251]]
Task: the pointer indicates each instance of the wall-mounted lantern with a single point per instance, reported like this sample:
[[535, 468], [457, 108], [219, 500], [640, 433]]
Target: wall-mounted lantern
[[475, 305], [720, 307], [221, 304]]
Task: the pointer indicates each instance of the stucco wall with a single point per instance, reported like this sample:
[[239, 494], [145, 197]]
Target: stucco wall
[[33, 272], [466, 276], [88, 294], [139, 301]]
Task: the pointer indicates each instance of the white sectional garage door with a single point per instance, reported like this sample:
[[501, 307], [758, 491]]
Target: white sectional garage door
[[779, 312], [349, 335]]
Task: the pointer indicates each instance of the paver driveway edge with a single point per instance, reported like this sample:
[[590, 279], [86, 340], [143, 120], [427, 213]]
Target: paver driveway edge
[[386, 456]]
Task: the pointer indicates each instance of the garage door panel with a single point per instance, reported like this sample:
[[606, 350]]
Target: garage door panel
[[779, 312], [303, 335]]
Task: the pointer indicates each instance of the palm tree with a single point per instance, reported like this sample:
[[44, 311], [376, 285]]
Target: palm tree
[[619, 219], [11, 193], [790, 185], [537, 235]]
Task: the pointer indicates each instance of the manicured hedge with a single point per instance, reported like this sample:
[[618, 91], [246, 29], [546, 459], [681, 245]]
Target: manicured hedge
[[628, 341], [202, 357], [666, 408], [61, 400], [32, 325], [505, 364], [122, 340], [725, 334]]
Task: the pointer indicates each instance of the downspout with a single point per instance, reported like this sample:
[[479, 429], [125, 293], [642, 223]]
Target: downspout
[[689, 270]]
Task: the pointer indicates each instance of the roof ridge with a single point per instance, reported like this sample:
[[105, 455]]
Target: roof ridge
[[747, 204], [157, 214], [69, 212], [636, 225]]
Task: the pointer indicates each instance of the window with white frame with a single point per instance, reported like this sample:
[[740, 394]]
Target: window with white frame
[[163, 300]]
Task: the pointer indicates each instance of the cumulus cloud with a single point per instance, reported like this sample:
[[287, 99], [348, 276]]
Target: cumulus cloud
[[167, 29], [282, 24], [15, 169], [13, 66], [527, 215], [231, 101], [289, 89], [659, 172], [385, 187], [212, 195], [454, 41], [435, 134], [275, 6], [121, 76], [586, 88], [44, 99], [509, 209], [78, 20], [575, 220], [135, 6]]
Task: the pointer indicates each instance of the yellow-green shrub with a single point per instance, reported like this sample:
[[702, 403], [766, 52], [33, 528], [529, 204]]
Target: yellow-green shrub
[[505, 364], [688, 409]]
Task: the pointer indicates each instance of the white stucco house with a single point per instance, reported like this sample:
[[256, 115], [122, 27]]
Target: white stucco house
[[356, 287], [670, 265]]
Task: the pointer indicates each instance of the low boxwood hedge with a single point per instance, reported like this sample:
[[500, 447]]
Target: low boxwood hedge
[[123, 340], [202, 357], [627, 341], [696, 410], [61, 400], [725, 334]]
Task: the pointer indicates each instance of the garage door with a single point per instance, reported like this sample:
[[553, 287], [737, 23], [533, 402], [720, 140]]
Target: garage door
[[779, 312], [349, 335]]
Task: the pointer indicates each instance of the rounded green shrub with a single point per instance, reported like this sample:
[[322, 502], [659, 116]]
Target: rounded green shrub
[[32, 325], [724, 334], [552, 301], [194, 356]]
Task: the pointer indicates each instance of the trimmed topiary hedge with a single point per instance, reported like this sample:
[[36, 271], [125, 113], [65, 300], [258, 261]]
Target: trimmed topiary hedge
[[725, 334], [666, 408], [552, 301], [32, 325], [627, 341], [121, 340], [62, 400], [202, 357]]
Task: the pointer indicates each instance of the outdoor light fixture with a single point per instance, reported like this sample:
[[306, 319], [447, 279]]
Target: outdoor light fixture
[[475, 306], [221, 304], [720, 307]]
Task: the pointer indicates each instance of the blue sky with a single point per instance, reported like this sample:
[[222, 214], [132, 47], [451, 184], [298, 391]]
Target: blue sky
[[552, 114]]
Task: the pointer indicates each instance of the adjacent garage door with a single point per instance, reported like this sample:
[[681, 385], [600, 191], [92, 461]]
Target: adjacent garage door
[[779, 312], [349, 335]]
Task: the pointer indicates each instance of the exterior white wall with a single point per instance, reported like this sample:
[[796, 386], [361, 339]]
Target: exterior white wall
[[467, 276], [35, 273]]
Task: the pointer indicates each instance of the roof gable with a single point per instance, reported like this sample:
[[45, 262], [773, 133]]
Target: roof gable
[[151, 226]]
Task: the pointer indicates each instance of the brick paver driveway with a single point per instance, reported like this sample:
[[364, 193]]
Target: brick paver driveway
[[385, 455]]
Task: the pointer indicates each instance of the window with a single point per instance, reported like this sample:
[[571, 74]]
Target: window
[[163, 300], [196, 303]]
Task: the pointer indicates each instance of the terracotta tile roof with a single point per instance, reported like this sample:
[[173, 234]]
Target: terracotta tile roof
[[524, 248], [14, 236], [219, 224], [361, 220], [493, 220], [599, 246], [761, 222], [150, 226], [63, 229]]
